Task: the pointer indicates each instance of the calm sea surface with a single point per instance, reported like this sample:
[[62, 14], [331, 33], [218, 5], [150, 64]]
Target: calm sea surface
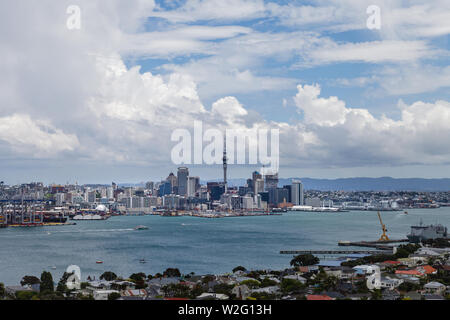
[[189, 243]]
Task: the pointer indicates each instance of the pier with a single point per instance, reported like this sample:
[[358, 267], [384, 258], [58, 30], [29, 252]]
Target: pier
[[380, 245]]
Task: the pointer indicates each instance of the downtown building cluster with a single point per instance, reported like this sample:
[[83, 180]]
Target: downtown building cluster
[[178, 192]]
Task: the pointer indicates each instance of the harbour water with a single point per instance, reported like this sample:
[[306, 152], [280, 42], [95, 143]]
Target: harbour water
[[191, 244]]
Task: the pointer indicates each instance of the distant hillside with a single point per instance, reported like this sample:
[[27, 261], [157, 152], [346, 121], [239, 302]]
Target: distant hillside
[[366, 184]]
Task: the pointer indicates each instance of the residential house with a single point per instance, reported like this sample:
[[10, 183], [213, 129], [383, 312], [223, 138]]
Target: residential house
[[434, 287], [295, 277], [390, 283], [268, 290], [134, 293], [212, 296], [426, 269], [103, 294]]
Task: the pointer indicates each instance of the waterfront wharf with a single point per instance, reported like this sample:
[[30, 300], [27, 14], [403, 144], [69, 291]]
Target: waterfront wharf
[[380, 245]]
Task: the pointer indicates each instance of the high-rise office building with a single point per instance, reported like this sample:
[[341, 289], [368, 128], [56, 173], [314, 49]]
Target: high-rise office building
[[193, 185], [271, 181], [258, 186], [165, 188], [289, 189], [216, 189], [297, 196], [182, 175], [173, 180], [256, 176]]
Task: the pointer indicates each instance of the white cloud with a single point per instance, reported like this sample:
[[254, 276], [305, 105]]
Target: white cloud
[[372, 52], [413, 79], [221, 10], [354, 136], [35, 138]]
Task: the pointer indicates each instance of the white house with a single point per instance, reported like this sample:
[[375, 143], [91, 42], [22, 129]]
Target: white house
[[103, 294], [434, 287]]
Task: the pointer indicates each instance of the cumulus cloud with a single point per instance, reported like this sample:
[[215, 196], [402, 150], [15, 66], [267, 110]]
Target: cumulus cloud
[[353, 135], [35, 138]]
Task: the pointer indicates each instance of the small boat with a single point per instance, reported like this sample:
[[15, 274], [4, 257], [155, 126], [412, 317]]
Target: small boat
[[53, 267], [141, 228], [142, 261], [406, 212], [98, 261]]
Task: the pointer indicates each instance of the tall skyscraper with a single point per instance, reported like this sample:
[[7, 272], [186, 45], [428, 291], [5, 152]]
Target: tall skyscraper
[[258, 186], [297, 196], [165, 188], [182, 176], [173, 180], [255, 177], [271, 181]]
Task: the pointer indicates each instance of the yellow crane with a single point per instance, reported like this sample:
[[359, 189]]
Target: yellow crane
[[384, 236]]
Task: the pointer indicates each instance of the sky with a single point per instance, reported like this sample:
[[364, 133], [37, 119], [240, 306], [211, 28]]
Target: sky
[[98, 101]]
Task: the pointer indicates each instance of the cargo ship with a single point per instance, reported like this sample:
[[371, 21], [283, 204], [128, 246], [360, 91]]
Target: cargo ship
[[430, 232]]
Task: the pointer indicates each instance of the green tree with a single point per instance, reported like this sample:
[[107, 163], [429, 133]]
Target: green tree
[[239, 268], [114, 296], [2, 290], [139, 280], [29, 280], [178, 290], [408, 286], [25, 295], [304, 260], [108, 276], [172, 273], [196, 291], [291, 285], [62, 284], [266, 282], [46, 282], [401, 253], [223, 288], [376, 294]]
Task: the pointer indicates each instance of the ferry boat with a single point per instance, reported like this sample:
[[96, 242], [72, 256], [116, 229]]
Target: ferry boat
[[99, 213]]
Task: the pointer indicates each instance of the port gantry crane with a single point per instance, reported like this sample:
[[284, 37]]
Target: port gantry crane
[[384, 236]]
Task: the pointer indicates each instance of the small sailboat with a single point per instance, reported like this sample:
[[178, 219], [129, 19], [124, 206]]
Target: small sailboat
[[142, 260]]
